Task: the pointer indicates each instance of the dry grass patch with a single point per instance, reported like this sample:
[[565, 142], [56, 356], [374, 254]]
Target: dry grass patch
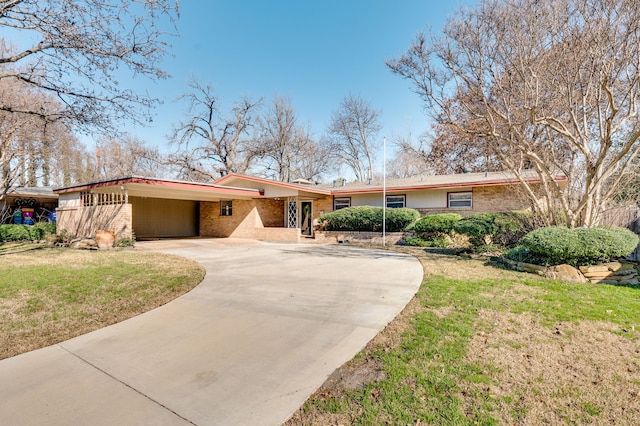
[[571, 373], [48, 295]]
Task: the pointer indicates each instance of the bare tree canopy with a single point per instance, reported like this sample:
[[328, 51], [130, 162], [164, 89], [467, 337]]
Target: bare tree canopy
[[550, 86], [212, 144], [287, 151], [443, 151], [127, 156], [76, 50], [353, 130]]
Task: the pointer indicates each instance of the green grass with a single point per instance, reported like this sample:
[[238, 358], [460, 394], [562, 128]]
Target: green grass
[[51, 294], [429, 377]]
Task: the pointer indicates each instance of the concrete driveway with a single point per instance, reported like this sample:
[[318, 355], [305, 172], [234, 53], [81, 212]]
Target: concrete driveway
[[267, 326]]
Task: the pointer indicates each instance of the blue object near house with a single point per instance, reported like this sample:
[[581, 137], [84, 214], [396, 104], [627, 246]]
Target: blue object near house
[[17, 217]]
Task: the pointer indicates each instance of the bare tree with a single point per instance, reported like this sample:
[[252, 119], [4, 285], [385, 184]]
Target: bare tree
[[74, 50], [125, 157], [411, 158], [353, 129], [548, 86], [72, 162], [20, 139], [446, 150], [286, 149], [211, 144]]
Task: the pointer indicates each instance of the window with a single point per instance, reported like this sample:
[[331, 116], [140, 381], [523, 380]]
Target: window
[[341, 203], [395, 201], [226, 208], [460, 200]]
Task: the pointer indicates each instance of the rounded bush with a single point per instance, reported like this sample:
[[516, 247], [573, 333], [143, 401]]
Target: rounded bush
[[442, 223], [504, 228], [15, 233], [477, 225], [581, 246], [367, 218], [11, 232], [606, 243]]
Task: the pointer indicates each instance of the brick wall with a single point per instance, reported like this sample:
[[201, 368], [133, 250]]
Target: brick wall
[[85, 221], [323, 205], [391, 238], [271, 212], [260, 219], [499, 199]]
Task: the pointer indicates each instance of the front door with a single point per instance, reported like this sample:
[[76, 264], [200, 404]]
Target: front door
[[306, 218]]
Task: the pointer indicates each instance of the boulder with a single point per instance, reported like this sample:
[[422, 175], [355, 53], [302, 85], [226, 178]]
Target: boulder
[[565, 273], [84, 243]]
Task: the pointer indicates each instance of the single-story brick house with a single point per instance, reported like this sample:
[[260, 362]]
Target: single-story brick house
[[250, 207]]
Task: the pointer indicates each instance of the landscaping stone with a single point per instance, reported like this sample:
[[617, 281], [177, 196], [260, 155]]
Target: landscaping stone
[[565, 273], [534, 269], [594, 269], [607, 273], [84, 243]]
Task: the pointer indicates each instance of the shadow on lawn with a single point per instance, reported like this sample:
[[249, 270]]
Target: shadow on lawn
[[13, 248]]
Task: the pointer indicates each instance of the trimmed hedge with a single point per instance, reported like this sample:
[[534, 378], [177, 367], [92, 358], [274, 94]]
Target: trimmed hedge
[[504, 228], [9, 232], [440, 223], [367, 218], [579, 246]]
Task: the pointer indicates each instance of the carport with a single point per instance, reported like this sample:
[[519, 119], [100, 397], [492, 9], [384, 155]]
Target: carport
[[147, 207]]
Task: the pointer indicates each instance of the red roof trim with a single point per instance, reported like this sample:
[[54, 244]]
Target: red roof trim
[[439, 186], [272, 182], [159, 182]]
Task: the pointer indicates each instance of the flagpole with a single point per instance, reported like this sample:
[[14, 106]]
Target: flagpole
[[384, 191]]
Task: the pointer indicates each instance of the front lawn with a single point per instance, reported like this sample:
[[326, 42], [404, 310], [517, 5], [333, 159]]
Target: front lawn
[[48, 294], [481, 345]]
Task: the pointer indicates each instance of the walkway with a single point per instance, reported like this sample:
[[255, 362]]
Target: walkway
[[265, 328]]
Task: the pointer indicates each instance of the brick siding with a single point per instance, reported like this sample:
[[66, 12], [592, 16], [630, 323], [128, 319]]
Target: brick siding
[[83, 222], [260, 219]]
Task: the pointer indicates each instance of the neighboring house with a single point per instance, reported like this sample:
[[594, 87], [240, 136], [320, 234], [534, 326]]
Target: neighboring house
[[249, 207], [40, 201]]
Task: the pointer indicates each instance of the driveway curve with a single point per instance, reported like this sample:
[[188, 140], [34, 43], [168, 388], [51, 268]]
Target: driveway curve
[[269, 323]]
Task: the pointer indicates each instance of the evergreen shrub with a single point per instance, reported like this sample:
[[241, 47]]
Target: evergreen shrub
[[369, 219], [37, 232], [579, 246], [437, 223]]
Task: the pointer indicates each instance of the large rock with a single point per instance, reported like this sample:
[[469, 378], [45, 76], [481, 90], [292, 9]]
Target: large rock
[[84, 244], [565, 273]]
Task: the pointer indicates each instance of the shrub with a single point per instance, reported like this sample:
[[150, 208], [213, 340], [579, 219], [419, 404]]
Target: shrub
[[125, 242], [399, 219], [367, 218], [512, 226], [477, 225], [15, 233], [606, 243], [441, 223], [37, 232], [504, 228], [582, 246]]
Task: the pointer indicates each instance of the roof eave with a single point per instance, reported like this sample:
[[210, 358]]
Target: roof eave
[[376, 189]]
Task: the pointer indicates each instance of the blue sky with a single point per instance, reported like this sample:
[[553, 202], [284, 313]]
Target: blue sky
[[314, 52]]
